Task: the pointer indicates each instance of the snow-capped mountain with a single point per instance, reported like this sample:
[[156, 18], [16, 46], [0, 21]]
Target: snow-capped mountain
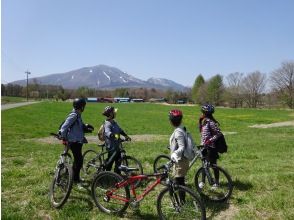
[[101, 77]]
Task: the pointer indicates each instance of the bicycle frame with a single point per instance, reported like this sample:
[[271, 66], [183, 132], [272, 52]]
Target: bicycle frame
[[130, 181]]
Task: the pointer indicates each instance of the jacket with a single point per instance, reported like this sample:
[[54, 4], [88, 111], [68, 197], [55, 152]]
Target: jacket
[[209, 132], [72, 129], [177, 142]]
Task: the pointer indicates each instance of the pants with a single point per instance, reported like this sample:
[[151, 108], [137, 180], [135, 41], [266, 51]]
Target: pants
[[181, 181], [114, 157], [212, 157], [76, 149]]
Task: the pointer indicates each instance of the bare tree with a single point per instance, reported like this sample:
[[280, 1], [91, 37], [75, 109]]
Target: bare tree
[[253, 87], [282, 81], [234, 89]]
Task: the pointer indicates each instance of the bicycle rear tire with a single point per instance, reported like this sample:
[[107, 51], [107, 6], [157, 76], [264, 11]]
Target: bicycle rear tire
[[103, 183], [171, 206], [216, 194], [90, 161], [132, 162], [159, 161], [62, 183]]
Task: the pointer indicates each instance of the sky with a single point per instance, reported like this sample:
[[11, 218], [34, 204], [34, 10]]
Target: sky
[[172, 39]]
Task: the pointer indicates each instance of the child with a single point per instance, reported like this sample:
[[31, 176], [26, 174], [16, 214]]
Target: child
[[210, 132], [112, 132]]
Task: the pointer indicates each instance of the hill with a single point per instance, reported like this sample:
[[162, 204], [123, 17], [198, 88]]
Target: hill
[[101, 77]]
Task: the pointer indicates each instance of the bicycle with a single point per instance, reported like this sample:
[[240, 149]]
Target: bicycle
[[111, 194], [95, 162], [62, 181], [218, 189]]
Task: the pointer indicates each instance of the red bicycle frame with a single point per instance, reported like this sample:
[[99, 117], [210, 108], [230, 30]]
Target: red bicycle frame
[[131, 181]]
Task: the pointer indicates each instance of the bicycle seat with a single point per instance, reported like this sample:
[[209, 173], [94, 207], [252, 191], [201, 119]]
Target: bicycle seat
[[126, 169]]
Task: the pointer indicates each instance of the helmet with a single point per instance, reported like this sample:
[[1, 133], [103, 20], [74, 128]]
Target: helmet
[[175, 116], [207, 109], [108, 110], [79, 103]]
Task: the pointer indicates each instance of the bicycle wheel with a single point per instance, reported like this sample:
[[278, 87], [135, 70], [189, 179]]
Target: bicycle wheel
[[132, 162], [91, 161], [61, 185], [159, 161], [212, 190], [179, 202], [107, 197]]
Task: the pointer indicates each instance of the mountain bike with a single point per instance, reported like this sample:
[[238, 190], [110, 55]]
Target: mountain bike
[[113, 194], [211, 181], [62, 181], [95, 162]]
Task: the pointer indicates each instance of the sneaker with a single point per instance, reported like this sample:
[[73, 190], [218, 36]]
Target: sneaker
[[80, 186], [201, 185], [215, 186]]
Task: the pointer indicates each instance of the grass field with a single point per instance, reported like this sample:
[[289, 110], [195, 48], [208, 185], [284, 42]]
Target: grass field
[[10, 99], [260, 161]]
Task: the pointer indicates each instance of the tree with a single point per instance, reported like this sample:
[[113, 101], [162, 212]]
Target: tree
[[234, 89], [215, 88], [253, 86], [282, 81], [199, 82]]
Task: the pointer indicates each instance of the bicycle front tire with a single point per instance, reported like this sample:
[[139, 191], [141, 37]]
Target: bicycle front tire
[[172, 205], [61, 186], [220, 193], [105, 182]]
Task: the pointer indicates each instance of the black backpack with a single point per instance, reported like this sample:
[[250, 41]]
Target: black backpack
[[221, 145]]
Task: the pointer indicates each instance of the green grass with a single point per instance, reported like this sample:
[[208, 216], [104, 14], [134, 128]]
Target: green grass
[[11, 99], [259, 160]]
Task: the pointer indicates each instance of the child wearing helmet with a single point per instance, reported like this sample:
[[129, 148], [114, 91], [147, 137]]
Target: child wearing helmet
[[72, 132], [112, 132], [209, 132], [177, 147]]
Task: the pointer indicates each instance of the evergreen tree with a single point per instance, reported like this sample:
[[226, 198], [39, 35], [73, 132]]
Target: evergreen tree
[[215, 89], [199, 82]]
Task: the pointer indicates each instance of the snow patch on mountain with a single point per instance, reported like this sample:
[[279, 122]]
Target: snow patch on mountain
[[106, 75]]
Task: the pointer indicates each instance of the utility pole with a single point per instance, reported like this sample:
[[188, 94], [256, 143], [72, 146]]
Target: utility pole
[[27, 72]]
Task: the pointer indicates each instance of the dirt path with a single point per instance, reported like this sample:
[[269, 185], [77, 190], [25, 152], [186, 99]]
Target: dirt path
[[15, 105], [94, 139], [273, 125]]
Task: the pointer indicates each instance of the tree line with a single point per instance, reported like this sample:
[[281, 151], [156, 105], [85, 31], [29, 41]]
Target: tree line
[[254, 89]]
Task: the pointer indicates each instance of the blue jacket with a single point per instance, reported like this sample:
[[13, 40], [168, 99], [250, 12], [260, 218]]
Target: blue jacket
[[72, 129]]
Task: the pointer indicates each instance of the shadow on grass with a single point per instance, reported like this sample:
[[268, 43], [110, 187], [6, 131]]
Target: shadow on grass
[[213, 209], [242, 186]]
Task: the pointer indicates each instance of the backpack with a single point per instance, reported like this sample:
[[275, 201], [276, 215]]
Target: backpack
[[189, 151], [221, 145], [100, 133], [65, 120]]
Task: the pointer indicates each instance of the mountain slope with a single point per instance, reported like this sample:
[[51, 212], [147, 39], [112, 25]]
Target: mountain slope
[[101, 77]]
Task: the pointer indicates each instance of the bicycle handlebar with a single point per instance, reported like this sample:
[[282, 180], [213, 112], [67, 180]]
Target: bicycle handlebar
[[56, 136]]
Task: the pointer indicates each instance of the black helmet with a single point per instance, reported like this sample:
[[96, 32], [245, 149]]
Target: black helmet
[[79, 103], [175, 116], [207, 109], [108, 110]]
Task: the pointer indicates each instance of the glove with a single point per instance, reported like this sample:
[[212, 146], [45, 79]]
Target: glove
[[174, 157], [89, 128], [128, 138]]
